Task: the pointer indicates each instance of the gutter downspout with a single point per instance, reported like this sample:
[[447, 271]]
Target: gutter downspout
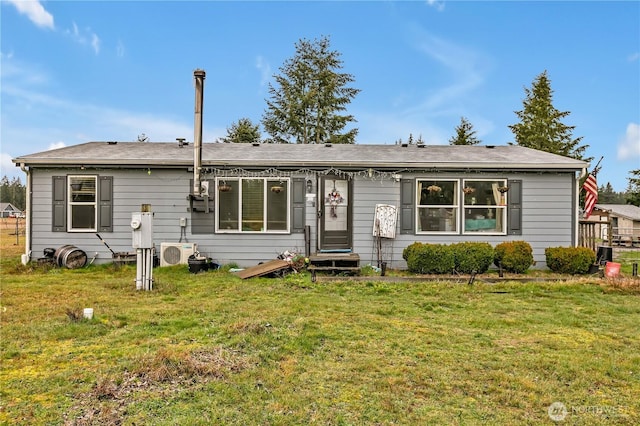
[[26, 257], [199, 76]]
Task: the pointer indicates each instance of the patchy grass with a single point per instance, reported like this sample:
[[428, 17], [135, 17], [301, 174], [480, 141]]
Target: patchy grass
[[213, 349]]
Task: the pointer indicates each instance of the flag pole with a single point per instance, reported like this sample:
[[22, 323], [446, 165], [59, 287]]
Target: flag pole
[[590, 186], [596, 169]]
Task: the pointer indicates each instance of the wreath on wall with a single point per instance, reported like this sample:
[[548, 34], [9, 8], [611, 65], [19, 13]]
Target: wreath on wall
[[334, 198]]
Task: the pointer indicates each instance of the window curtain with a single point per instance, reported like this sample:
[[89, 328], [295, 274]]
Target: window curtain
[[499, 212]]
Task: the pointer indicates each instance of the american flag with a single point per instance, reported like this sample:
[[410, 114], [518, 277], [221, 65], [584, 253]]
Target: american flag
[[591, 198]]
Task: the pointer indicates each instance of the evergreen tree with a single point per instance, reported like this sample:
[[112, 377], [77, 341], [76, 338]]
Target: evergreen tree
[[13, 192], [5, 193], [633, 189], [541, 126], [311, 94], [465, 135], [410, 140], [243, 131], [607, 195]]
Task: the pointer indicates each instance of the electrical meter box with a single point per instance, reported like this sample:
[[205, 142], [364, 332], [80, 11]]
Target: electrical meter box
[[142, 230]]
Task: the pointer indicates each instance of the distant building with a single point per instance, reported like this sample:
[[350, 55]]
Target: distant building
[[624, 223], [9, 210]]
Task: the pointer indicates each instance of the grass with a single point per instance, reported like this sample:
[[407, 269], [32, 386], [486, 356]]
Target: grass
[[213, 349]]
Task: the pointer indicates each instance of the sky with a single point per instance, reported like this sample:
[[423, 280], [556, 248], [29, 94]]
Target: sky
[[79, 71]]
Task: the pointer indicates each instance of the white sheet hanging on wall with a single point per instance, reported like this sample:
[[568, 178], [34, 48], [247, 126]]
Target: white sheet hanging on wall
[[386, 216]]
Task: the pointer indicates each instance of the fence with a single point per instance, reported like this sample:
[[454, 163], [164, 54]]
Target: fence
[[625, 236], [589, 234]]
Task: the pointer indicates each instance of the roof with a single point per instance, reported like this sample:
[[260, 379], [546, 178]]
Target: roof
[[627, 211], [8, 207], [170, 154]]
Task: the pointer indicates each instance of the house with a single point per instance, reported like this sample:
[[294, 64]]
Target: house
[[624, 220], [9, 210], [259, 200]]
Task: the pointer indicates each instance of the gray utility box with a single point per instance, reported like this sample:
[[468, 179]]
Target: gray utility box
[[142, 230]]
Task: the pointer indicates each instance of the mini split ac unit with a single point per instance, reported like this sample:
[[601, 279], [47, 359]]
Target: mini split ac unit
[[176, 253]]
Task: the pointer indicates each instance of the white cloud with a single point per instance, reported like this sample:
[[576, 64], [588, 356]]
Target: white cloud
[[464, 67], [633, 57], [84, 37], [120, 49], [8, 168], [629, 146], [435, 113], [56, 145], [65, 122], [35, 12], [436, 4], [265, 70], [95, 43]]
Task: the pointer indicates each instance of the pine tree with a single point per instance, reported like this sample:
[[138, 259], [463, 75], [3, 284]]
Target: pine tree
[[633, 189], [243, 131], [465, 135], [13, 192], [607, 195], [311, 94], [541, 126]]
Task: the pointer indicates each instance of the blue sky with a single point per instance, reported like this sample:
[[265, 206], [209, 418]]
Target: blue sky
[[78, 71]]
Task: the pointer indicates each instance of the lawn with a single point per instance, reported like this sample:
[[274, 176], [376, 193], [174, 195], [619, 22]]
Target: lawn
[[210, 348]]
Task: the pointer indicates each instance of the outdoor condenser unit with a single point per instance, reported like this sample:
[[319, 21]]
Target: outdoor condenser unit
[[176, 253]]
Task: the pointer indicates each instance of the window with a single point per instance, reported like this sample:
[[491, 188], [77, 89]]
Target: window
[[437, 206], [82, 203], [461, 206], [252, 205], [484, 206], [82, 211]]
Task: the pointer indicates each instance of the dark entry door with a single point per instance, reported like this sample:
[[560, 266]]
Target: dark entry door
[[335, 214]]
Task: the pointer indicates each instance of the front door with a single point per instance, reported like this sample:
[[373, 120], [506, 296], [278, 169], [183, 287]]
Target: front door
[[335, 214]]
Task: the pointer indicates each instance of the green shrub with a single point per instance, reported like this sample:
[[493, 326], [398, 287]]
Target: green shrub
[[430, 258], [514, 256], [569, 260], [409, 249], [472, 256]]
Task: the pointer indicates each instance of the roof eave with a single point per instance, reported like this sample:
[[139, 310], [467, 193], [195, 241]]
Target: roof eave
[[299, 164]]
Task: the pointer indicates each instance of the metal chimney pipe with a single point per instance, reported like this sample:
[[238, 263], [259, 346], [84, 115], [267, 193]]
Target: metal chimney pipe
[[198, 75]]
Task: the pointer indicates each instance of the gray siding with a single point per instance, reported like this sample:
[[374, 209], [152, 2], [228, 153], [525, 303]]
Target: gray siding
[[166, 191], [548, 217]]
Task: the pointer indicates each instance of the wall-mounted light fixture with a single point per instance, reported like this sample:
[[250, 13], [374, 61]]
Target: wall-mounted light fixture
[[309, 186]]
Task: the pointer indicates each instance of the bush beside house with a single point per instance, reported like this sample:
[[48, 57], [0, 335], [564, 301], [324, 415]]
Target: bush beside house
[[569, 260], [429, 258], [472, 257], [514, 256], [466, 258]]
